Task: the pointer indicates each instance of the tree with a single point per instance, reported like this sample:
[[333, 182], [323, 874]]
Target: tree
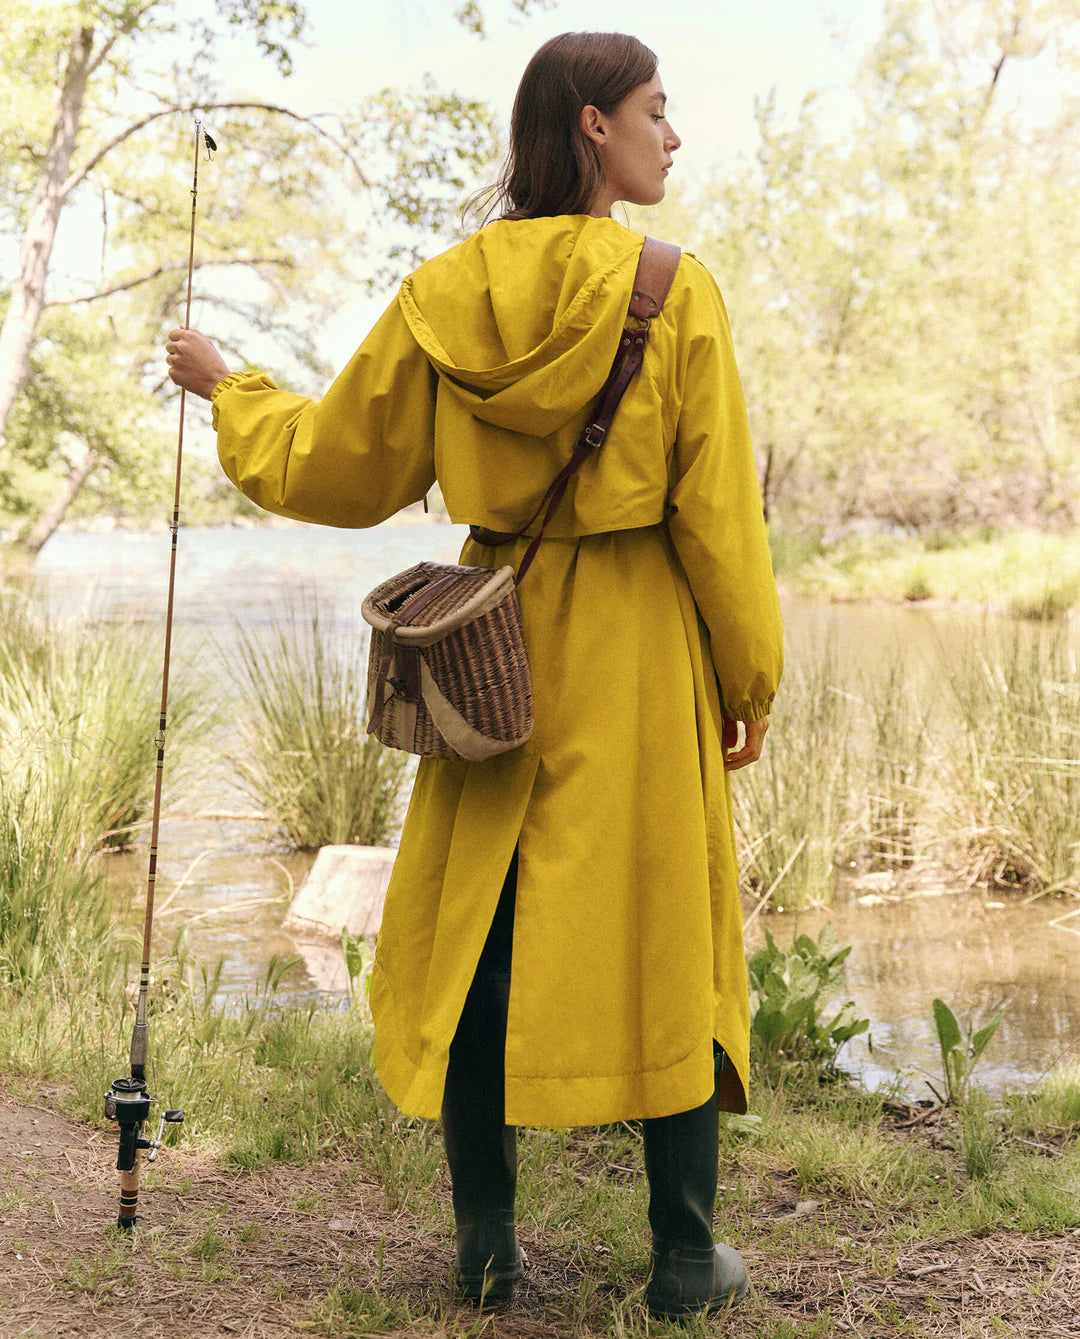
[[902, 299], [85, 115]]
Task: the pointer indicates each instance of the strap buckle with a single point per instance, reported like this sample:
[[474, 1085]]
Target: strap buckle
[[597, 440]]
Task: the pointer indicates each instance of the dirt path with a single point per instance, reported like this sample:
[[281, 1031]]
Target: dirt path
[[217, 1253], [255, 1254]]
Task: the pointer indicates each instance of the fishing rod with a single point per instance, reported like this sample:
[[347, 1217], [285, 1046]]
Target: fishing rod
[[128, 1102]]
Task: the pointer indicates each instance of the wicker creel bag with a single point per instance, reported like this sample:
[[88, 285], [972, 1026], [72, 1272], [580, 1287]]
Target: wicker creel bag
[[448, 673]]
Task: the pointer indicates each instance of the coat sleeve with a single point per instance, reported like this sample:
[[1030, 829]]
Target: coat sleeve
[[351, 459], [715, 512]]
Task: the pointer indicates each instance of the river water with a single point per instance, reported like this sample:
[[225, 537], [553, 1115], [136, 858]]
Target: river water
[[972, 948]]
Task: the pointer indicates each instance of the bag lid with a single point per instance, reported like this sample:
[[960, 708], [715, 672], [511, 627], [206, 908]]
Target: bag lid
[[424, 603]]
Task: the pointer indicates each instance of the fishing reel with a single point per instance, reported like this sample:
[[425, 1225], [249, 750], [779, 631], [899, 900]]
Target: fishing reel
[[128, 1104]]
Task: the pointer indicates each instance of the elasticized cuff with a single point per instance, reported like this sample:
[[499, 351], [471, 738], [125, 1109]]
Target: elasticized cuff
[[751, 711], [227, 383]]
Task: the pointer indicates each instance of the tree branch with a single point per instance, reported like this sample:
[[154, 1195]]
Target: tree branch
[[83, 172], [126, 28], [282, 262], [1007, 48]]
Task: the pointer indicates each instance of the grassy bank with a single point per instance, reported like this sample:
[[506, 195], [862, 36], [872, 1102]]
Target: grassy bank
[[1025, 573], [857, 1212]]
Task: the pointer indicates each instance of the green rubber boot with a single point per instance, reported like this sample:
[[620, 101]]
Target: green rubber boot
[[489, 1260], [690, 1272], [686, 1282], [481, 1150]]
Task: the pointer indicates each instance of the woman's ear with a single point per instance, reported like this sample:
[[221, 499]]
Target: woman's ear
[[592, 124]]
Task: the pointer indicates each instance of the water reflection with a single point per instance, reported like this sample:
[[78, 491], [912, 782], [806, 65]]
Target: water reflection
[[971, 953]]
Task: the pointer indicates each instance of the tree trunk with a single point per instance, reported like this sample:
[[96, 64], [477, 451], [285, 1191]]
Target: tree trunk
[[28, 290], [33, 541]]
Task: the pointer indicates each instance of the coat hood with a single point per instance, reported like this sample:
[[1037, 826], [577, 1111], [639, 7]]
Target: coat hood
[[521, 320]]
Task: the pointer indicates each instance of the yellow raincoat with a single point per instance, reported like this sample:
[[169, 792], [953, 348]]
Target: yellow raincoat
[[650, 608]]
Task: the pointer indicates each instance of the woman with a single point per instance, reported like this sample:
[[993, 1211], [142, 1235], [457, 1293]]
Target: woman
[[562, 941]]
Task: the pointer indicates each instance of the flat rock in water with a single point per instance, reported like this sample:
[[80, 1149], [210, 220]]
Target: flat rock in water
[[345, 889]]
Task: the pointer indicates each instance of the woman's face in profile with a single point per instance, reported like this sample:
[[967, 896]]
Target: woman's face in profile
[[636, 144]]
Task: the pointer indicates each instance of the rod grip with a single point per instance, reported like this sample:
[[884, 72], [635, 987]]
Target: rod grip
[[129, 1197]]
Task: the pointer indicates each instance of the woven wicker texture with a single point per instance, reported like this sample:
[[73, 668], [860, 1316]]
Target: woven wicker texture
[[481, 668], [393, 596], [483, 671]]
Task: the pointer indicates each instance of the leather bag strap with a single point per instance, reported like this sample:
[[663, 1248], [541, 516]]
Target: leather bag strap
[[652, 281]]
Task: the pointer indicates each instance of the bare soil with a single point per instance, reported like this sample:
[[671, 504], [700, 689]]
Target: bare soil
[[223, 1253]]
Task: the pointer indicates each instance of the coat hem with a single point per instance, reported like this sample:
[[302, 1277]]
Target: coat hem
[[555, 1103], [416, 1087]]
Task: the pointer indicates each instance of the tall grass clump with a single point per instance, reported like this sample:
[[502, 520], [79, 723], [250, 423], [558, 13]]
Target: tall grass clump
[[53, 914], [78, 712], [305, 755], [893, 770], [792, 808], [1013, 793]]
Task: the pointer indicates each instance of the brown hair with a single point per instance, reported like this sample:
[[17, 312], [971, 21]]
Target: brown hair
[[551, 166]]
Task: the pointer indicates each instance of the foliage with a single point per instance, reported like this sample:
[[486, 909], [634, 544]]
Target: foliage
[[789, 992], [305, 756], [960, 1054], [283, 232], [78, 711], [899, 294]]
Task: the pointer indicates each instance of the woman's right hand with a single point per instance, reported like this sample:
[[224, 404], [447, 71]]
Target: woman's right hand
[[194, 362], [752, 744]]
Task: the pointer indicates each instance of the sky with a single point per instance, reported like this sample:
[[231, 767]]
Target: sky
[[716, 57]]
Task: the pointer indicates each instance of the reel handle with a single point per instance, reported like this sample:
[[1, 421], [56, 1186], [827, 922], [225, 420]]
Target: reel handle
[[173, 1117]]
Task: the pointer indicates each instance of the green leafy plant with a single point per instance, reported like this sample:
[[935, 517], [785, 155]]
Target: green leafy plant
[[789, 992], [358, 962], [959, 1053]]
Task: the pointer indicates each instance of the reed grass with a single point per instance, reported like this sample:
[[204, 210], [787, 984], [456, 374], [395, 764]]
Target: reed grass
[[78, 714], [53, 913], [1011, 799], [305, 755], [894, 760], [793, 815], [76, 772], [964, 761]]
